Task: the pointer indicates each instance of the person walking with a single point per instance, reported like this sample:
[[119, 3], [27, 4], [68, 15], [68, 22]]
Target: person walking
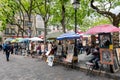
[[7, 50], [16, 48]]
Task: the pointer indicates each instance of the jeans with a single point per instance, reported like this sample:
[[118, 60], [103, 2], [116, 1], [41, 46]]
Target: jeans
[[95, 60], [16, 50], [7, 55]]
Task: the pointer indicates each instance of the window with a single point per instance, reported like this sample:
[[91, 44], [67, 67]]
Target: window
[[27, 23], [39, 32], [7, 31], [12, 31]]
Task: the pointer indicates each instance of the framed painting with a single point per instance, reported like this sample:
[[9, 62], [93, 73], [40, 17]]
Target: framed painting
[[59, 50], [115, 66], [106, 56], [118, 54], [50, 60], [70, 49], [69, 57], [105, 40]]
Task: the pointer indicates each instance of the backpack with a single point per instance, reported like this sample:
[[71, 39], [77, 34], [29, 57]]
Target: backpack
[[6, 47]]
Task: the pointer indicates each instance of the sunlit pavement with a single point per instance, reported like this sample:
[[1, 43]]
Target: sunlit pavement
[[26, 68]]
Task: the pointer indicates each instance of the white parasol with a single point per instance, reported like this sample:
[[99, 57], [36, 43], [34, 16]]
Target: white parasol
[[36, 39]]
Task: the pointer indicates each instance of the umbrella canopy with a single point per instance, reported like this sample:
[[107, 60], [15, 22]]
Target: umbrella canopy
[[106, 28], [8, 39], [69, 35], [24, 40], [53, 35], [16, 40], [36, 39]]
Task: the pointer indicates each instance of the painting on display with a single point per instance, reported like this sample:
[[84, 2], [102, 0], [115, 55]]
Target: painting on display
[[118, 54], [105, 40], [59, 50], [42, 48], [50, 60], [70, 49], [115, 66], [70, 53], [106, 56], [69, 58]]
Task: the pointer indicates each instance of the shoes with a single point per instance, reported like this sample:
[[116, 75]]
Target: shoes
[[7, 59], [96, 68]]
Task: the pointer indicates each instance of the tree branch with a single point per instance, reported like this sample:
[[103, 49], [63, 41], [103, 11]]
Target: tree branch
[[23, 6], [101, 12], [119, 16]]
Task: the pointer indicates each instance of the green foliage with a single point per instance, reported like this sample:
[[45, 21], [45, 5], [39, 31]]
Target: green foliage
[[8, 9], [0, 39], [53, 9], [93, 21]]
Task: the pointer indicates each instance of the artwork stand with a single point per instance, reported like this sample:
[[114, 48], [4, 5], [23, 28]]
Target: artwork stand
[[108, 53]]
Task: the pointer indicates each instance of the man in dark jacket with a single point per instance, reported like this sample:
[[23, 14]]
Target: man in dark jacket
[[7, 50]]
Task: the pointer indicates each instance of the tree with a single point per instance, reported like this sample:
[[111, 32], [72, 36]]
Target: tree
[[7, 12], [59, 13], [104, 8], [12, 8], [9, 9], [92, 21], [0, 38], [25, 8], [63, 13], [43, 9]]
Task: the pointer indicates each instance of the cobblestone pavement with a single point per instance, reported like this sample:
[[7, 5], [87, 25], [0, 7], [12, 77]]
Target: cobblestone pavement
[[25, 68]]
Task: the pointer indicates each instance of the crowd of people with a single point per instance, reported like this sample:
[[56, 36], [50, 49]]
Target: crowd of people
[[32, 48], [38, 48]]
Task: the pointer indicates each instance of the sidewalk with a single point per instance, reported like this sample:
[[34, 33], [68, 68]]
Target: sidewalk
[[82, 66]]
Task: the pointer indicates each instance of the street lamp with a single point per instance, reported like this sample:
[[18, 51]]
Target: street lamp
[[76, 6]]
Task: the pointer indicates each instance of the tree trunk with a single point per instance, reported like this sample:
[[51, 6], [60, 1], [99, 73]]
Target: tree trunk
[[63, 18], [45, 32]]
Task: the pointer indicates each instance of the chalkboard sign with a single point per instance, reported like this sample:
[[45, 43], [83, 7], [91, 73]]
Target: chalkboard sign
[[106, 56]]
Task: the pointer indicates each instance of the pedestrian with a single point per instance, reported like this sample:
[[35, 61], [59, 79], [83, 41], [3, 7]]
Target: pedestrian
[[7, 50], [32, 48], [11, 48], [39, 49], [0, 46], [16, 48]]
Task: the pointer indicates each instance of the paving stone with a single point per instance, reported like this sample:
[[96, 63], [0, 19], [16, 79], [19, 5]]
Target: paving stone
[[26, 68]]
